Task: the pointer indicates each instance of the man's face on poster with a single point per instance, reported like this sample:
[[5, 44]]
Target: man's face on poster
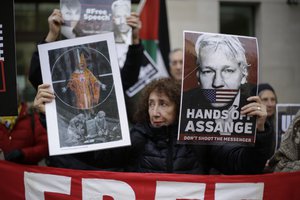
[[120, 13], [71, 15], [219, 71]]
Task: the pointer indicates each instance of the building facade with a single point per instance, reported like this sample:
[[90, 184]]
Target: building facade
[[275, 23]]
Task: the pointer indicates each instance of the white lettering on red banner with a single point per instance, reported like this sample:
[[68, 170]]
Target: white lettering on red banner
[[36, 184], [19, 182]]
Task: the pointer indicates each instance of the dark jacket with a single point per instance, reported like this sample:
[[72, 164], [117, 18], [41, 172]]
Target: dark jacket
[[156, 150]]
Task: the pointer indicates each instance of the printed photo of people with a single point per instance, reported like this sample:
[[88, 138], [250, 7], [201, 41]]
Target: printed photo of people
[[82, 80], [219, 72]]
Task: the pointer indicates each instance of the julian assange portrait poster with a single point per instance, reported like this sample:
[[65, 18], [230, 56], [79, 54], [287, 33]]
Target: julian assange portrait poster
[[219, 73]]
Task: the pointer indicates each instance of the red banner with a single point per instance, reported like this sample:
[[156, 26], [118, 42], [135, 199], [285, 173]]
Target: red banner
[[19, 182]]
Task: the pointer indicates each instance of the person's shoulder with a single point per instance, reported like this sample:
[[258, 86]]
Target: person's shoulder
[[140, 132]]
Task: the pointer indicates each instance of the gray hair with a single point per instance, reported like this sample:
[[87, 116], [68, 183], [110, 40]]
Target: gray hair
[[230, 45]]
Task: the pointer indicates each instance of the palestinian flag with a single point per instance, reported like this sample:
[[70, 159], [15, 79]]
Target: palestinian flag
[[155, 38], [155, 34]]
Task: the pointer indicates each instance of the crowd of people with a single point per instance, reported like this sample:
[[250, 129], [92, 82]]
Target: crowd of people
[[154, 146]]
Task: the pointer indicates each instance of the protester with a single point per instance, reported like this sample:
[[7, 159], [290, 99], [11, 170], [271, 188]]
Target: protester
[[129, 76], [269, 98], [22, 138], [153, 139], [287, 157], [154, 147], [176, 64], [130, 70]]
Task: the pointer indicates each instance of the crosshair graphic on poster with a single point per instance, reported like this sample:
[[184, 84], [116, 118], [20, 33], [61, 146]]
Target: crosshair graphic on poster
[[89, 110], [82, 77]]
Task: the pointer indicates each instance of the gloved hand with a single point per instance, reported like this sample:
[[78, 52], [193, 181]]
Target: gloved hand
[[14, 156]]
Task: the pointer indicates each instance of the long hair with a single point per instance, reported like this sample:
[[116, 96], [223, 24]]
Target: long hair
[[167, 86]]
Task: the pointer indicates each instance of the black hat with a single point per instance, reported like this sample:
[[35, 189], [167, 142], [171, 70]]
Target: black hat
[[265, 86], [261, 87]]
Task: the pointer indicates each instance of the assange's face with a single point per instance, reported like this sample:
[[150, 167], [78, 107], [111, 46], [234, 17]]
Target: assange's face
[[218, 71], [120, 15]]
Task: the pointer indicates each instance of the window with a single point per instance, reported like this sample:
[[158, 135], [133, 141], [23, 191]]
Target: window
[[237, 18], [31, 26]]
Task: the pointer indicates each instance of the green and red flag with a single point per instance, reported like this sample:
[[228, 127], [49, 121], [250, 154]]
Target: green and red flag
[[155, 34], [155, 39]]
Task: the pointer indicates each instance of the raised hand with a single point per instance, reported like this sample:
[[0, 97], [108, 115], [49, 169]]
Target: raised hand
[[44, 95], [256, 108], [135, 23], [55, 21]]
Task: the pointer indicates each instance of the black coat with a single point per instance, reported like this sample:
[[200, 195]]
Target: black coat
[[156, 150]]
